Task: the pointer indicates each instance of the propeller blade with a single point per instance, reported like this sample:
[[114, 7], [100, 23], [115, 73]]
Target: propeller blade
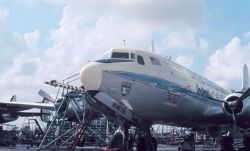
[[244, 95], [234, 125], [233, 115]]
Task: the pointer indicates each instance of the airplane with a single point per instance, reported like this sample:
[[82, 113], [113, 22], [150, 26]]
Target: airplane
[[11, 110], [71, 109], [143, 88]]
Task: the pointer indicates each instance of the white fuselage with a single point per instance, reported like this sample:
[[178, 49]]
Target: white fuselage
[[152, 87]]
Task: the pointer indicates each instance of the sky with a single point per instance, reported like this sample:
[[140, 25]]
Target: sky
[[43, 40]]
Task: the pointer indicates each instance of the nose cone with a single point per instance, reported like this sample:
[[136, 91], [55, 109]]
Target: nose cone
[[91, 76]]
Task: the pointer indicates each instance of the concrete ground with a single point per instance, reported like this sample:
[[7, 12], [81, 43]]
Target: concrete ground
[[20, 147]]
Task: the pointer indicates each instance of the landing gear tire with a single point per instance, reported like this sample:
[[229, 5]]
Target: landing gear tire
[[14, 142], [142, 145], [246, 142], [116, 142], [188, 143], [227, 143], [154, 143], [6, 144]]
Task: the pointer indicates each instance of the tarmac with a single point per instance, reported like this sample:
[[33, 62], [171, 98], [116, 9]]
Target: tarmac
[[161, 147]]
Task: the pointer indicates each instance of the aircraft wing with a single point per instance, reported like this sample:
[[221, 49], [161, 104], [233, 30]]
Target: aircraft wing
[[20, 106], [215, 115]]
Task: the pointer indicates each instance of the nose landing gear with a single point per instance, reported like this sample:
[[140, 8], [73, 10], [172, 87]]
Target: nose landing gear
[[123, 140], [188, 143]]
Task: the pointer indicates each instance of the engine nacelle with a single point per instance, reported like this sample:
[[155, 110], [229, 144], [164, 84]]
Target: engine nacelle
[[70, 108], [9, 117], [241, 109]]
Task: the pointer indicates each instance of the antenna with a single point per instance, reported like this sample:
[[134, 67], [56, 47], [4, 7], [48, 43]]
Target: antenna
[[124, 42], [153, 47]]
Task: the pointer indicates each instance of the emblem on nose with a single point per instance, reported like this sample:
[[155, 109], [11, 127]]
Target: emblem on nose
[[125, 88]]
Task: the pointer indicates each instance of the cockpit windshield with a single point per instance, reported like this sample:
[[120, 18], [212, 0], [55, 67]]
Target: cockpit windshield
[[115, 57], [120, 55]]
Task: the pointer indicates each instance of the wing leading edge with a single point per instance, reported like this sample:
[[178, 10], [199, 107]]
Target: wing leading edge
[[26, 105]]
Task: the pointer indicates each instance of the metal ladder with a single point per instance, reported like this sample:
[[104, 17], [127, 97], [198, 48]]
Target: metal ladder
[[84, 126]]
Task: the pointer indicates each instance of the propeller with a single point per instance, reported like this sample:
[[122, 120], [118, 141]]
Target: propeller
[[235, 107]]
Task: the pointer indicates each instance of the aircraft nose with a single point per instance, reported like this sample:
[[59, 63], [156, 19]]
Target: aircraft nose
[[91, 76]]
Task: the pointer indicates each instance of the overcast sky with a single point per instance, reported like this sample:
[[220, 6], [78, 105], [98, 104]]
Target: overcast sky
[[41, 40]]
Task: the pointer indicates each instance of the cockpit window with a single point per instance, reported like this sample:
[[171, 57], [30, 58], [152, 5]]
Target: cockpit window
[[140, 60], [155, 61], [121, 55]]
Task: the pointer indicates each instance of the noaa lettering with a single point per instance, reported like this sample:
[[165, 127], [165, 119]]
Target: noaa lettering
[[119, 108], [172, 98]]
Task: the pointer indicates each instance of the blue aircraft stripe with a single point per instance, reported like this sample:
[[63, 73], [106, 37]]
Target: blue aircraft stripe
[[163, 84]]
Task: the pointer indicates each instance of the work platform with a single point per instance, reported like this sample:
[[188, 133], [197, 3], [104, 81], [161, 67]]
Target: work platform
[[69, 125]]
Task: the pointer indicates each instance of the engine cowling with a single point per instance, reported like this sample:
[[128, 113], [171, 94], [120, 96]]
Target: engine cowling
[[240, 107], [69, 108], [230, 100]]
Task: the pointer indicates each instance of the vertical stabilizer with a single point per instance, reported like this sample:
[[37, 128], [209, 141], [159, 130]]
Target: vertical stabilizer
[[245, 78], [153, 46]]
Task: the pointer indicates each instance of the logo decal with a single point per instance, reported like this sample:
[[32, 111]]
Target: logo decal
[[125, 89]]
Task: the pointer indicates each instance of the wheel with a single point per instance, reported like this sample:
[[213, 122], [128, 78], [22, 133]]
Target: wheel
[[246, 141], [154, 143], [227, 143], [7, 144], [116, 141], [14, 141], [141, 144]]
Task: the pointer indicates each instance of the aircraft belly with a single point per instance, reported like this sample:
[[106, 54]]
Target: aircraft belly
[[149, 101]]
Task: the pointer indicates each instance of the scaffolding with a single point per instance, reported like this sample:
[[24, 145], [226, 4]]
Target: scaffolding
[[74, 123]]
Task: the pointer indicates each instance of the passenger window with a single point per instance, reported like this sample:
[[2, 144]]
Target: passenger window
[[140, 60], [132, 56], [155, 61]]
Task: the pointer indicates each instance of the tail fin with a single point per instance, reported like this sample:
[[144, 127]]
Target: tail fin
[[13, 98], [46, 96], [245, 81]]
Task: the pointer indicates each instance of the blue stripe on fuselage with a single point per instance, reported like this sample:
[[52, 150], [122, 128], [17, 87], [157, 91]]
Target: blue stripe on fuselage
[[164, 84]]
